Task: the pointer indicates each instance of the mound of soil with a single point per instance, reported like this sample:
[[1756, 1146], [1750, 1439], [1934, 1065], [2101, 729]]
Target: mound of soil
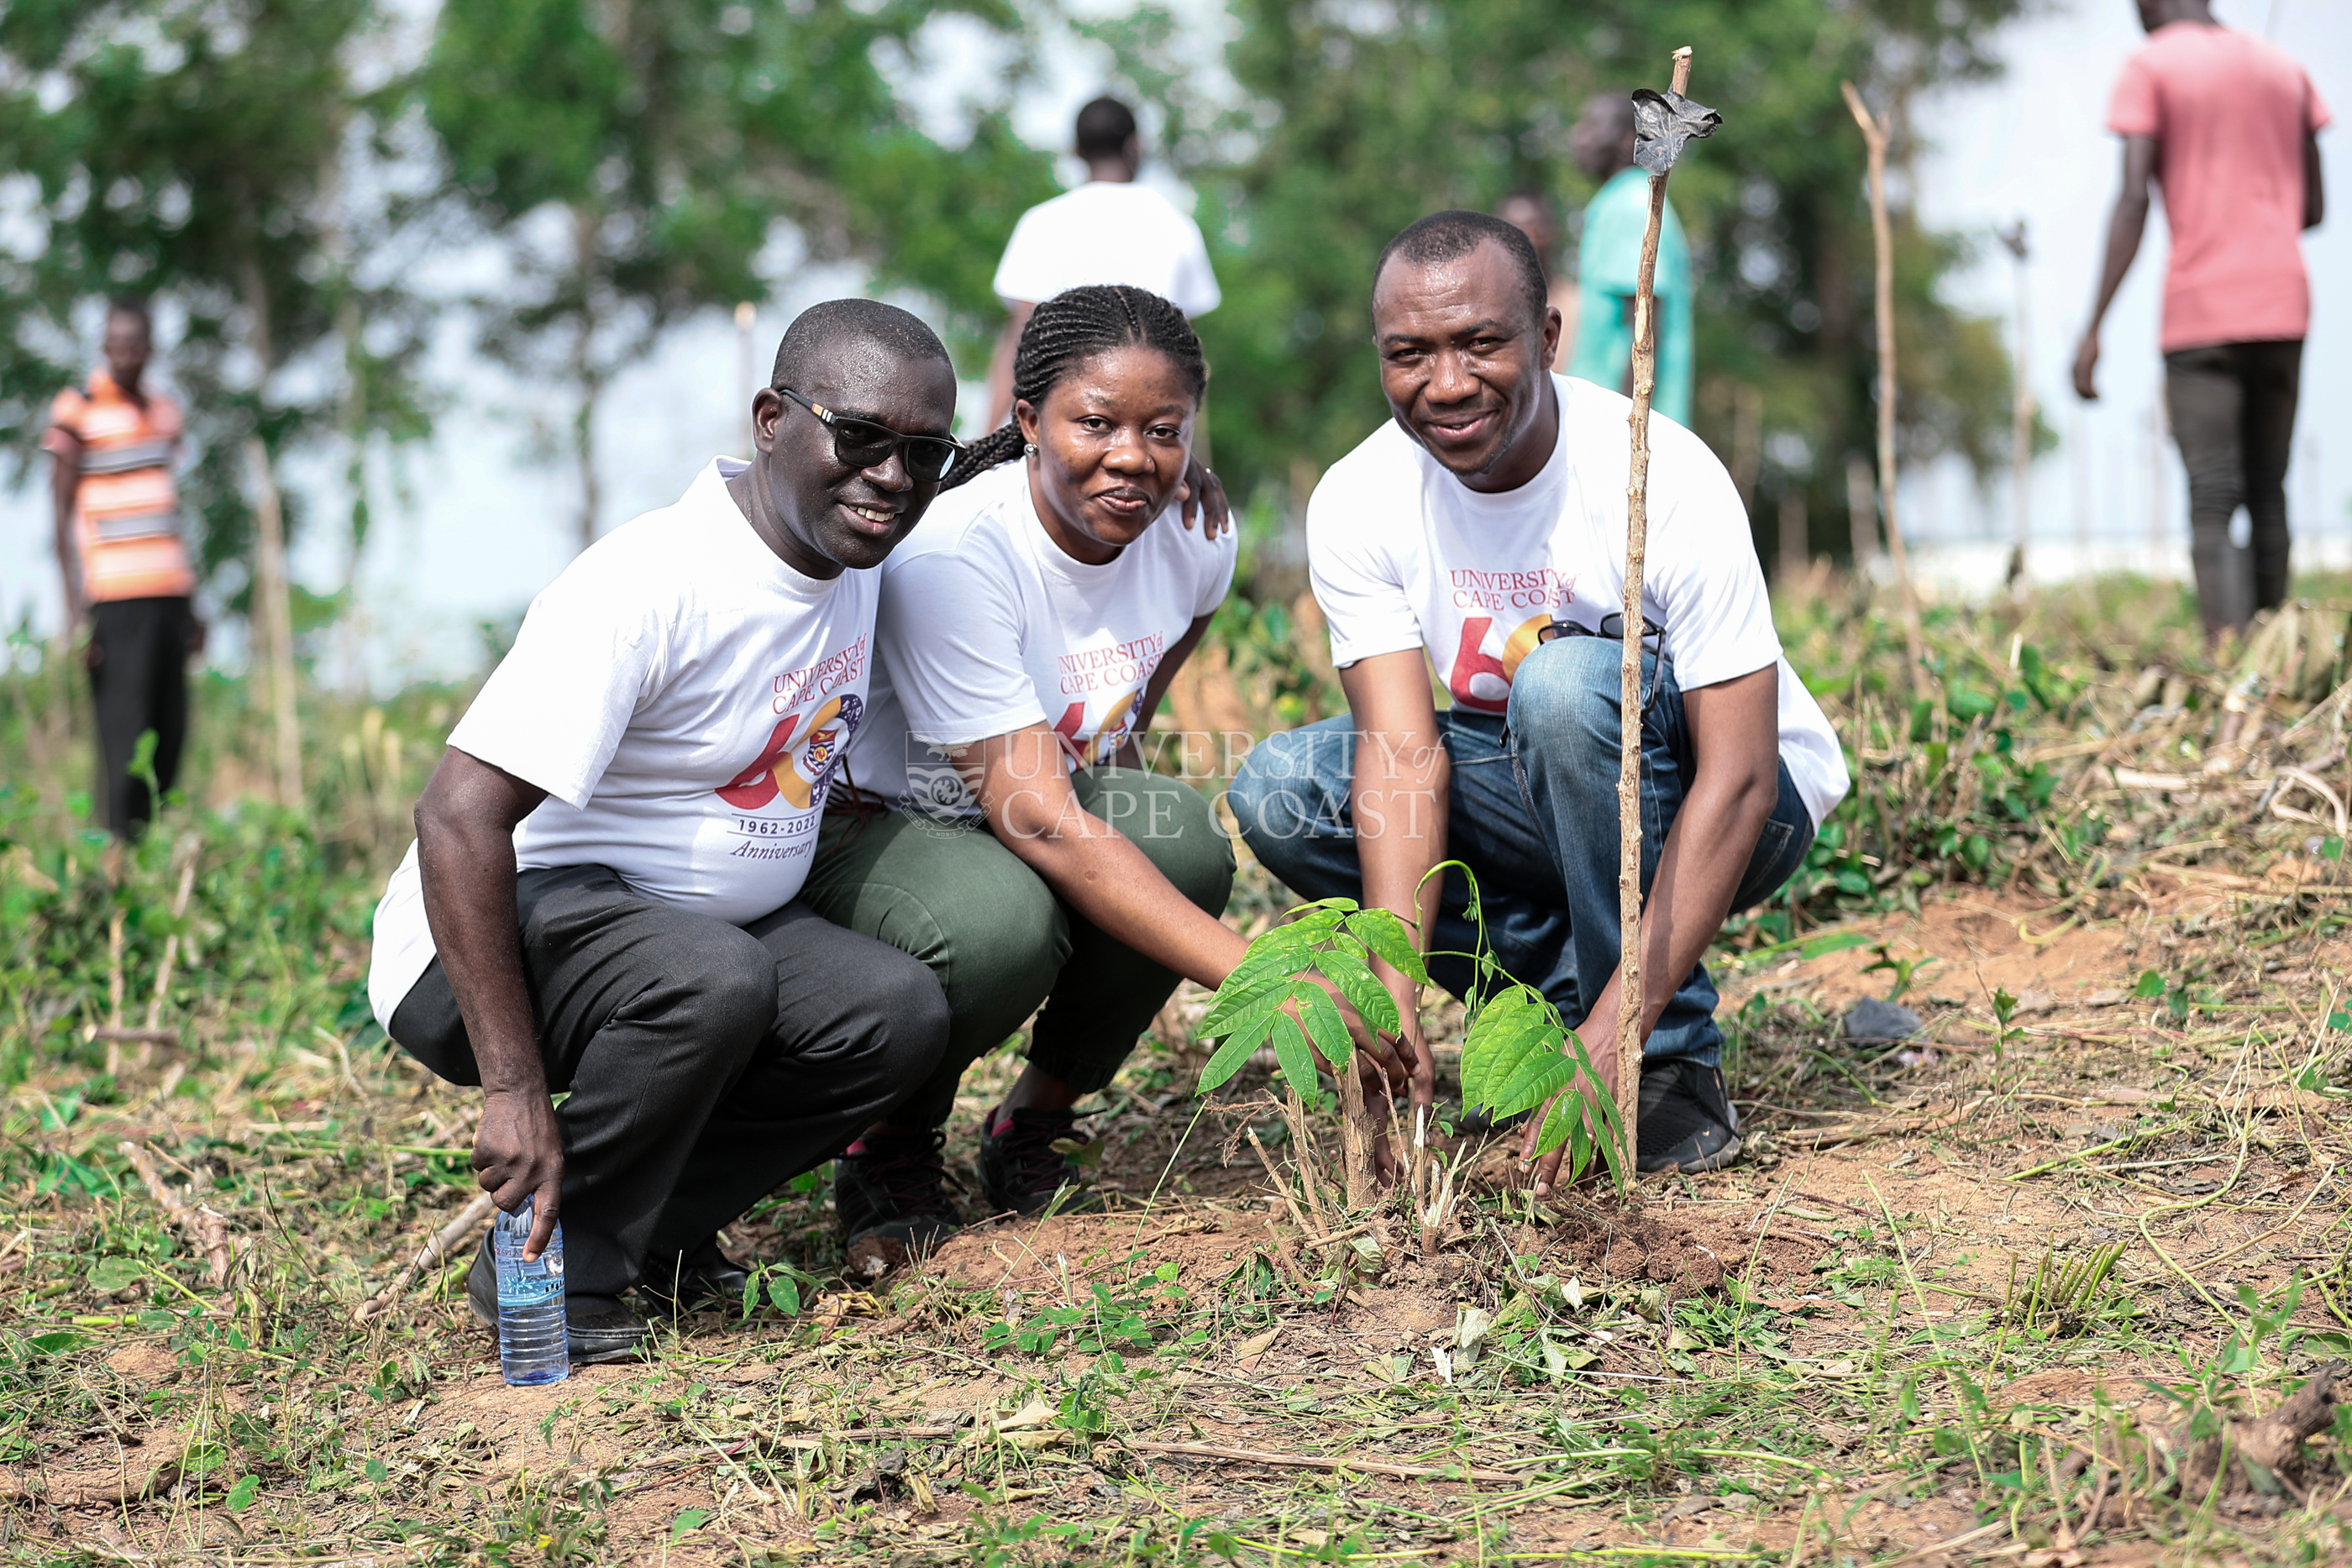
[[1682, 1250]]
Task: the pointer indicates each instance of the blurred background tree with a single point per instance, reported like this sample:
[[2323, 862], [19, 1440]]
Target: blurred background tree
[[225, 159], [279, 170], [1358, 120], [635, 160]]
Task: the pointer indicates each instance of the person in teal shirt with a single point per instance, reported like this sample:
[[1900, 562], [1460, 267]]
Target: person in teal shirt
[[1608, 258]]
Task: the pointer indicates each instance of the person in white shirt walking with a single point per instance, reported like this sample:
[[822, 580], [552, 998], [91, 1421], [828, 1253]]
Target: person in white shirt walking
[[1111, 230], [1482, 531], [601, 896]]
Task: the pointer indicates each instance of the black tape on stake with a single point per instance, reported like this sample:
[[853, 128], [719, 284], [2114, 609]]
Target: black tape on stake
[[1662, 121]]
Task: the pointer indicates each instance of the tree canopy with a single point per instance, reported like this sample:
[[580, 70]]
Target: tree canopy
[[1359, 119], [205, 153], [637, 163], [671, 140]]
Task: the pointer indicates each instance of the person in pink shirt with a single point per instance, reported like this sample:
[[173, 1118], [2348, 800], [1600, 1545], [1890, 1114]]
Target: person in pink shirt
[[2227, 125]]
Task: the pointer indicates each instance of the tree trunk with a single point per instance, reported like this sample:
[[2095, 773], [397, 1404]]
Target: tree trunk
[[274, 618], [584, 375], [1882, 236], [1796, 546], [272, 608]]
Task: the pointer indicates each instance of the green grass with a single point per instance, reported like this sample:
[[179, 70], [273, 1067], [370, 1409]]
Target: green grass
[[1998, 1290]]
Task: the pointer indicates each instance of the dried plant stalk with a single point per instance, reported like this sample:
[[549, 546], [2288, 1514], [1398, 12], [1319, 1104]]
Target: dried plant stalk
[[207, 1230], [445, 1241]]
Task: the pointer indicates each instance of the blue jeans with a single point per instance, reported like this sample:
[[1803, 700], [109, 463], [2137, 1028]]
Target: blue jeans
[[1533, 811]]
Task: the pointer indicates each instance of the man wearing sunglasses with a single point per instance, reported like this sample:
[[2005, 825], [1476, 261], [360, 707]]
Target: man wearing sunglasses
[[1482, 531], [602, 900]]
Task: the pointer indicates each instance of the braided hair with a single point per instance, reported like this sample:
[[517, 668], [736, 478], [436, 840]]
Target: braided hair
[[1064, 333]]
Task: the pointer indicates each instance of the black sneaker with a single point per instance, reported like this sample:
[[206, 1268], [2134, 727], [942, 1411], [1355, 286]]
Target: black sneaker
[[702, 1277], [1025, 1166], [602, 1329], [1687, 1122], [891, 1189]]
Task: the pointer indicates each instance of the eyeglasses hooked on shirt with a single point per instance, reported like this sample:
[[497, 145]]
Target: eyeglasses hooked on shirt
[[863, 444]]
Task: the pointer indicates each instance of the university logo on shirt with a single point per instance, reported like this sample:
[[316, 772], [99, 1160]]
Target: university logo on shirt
[[1486, 658], [797, 764], [798, 774]]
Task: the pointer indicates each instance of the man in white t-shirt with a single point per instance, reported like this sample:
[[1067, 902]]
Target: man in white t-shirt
[[603, 894], [1109, 230], [1483, 532]]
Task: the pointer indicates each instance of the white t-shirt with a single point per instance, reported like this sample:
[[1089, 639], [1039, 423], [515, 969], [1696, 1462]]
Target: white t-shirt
[[685, 698], [1106, 232], [1404, 555], [986, 626]]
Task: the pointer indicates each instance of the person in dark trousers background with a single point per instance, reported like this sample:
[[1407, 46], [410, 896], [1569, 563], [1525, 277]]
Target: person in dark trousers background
[[125, 565], [2228, 126]]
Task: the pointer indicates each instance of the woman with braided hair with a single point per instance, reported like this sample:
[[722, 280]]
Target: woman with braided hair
[[1026, 635]]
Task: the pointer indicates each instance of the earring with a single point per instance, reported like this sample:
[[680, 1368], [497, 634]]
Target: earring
[[1028, 449]]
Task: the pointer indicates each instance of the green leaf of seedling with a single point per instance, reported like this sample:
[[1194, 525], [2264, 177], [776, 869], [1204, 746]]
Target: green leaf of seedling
[[109, 1275], [1391, 941], [376, 1471], [1363, 990], [241, 1496], [1511, 1059], [1320, 1016], [784, 1293], [1296, 1061], [1236, 1049], [1235, 1001], [687, 1523], [1266, 967], [2150, 987], [1246, 1010], [57, 1343]]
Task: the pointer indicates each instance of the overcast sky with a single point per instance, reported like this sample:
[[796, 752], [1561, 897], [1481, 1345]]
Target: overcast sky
[[483, 527]]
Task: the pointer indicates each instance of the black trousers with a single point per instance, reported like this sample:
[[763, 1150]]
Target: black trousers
[[138, 679], [2233, 408], [707, 1063]]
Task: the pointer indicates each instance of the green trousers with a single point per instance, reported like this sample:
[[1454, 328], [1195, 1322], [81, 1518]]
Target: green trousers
[[1001, 941]]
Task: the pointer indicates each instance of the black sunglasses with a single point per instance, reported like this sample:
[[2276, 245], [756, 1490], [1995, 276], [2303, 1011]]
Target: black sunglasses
[[862, 444]]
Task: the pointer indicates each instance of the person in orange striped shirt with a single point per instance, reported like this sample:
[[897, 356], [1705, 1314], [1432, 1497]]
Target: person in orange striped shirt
[[126, 567]]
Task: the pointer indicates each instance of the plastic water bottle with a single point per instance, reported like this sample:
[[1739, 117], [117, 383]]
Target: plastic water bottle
[[534, 1337]]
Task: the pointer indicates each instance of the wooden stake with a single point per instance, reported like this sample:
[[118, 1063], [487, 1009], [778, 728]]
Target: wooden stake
[[1882, 236], [1627, 1091]]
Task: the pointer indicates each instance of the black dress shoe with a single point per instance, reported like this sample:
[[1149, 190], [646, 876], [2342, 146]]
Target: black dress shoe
[[1687, 1121], [703, 1277], [601, 1328]]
